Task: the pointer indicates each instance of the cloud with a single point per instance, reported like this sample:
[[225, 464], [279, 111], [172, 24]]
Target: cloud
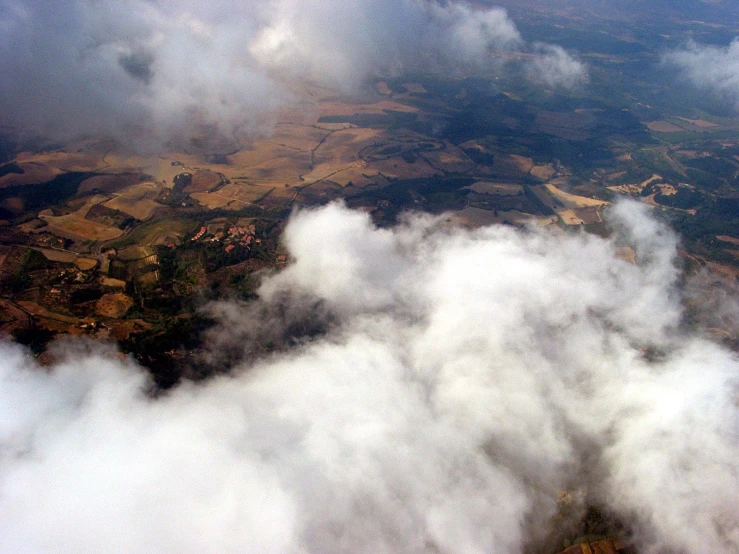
[[144, 67], [342, 44], [463, 381], [556, 67], [710, 68]]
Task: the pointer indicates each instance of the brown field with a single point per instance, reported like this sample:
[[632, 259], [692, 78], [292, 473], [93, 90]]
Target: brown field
[[451, 159], [702, 123], [136, 200], [344, 108], [571, 200], [203, 181], [727, 271], [150, 278], [415, 88], [502, 189], [269, 163], [4, 251], [40, 311], [161, 232], [667, 190], [664, 127], [134, 252], [543, 172], [112, 283], [58, 255], [340, 152], [727, 238], [569, 217], [626, 253], [33, 173], [75, 224], [616, 175], [565, 125], [234, 196], [397, 167], [627, 189], [13, 205], [11, 317], [589, 215], [511, 166], [113, 305], [383, 89], [86, 264], [652, 179], [309, 92], [323, 190], [478, 217], [84, 156], [160, 168], [108, 183], [525, 165], [298, 136]]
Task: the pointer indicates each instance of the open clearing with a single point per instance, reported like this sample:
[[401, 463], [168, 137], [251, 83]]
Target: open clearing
[[86, 264], [113, 305], [664, 127]]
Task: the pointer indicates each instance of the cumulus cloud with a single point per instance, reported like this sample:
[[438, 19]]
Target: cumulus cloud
[[710, 68], [556, 67], [466, 379], [142, 66]]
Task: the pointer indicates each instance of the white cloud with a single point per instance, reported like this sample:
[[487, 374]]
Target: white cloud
[[466, 379], [109, 66], [710, 68], [556, 67]]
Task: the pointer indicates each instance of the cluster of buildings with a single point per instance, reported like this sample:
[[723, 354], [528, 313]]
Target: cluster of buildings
[[199, 234], [241, 236], [236, 235]]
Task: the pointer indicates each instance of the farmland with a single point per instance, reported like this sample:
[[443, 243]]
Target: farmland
[[146, 237]]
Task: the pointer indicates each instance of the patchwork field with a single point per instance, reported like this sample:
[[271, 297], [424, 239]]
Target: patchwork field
[[136, 200], [75, 224]]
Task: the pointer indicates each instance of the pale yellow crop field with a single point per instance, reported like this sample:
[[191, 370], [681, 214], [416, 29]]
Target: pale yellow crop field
[[136, 200], [76, 225], [572, 200], [233, 195]]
